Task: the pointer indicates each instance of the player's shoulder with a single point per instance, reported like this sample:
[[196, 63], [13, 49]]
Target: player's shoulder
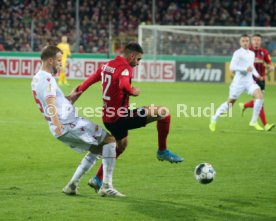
[[251, 52], [45, 76], [237, 52], [264, 50], [119, 63]]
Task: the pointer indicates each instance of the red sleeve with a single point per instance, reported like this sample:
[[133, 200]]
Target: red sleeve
[[267, 57], [95, 77], [124, 82]]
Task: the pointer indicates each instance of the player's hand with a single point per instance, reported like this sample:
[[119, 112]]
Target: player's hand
[[136, 91], [261, 78], [271, 67], [74, 96], [250, 69], [59, 129]]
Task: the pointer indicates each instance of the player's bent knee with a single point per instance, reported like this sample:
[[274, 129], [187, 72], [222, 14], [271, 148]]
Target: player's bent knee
[[109, 150], [122, 145], [109, 139], [231, 102], [163, 112]]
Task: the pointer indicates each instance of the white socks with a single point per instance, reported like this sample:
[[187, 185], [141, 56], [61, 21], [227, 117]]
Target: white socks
[[86, 164], [223, 108], [109, 158], [258, 103]]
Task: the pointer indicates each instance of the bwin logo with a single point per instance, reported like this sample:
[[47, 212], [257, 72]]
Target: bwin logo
[[200, 74]]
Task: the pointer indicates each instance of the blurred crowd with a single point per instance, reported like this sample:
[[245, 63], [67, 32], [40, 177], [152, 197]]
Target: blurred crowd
[[48, 20]]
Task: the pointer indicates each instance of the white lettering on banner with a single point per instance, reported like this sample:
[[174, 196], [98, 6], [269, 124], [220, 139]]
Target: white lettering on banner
[[81, 68], [155, 71], [26, 67], [163, 71], [3, 67], [169, 71], [19, 67], [36, 66], [14, 67], [199, 74]]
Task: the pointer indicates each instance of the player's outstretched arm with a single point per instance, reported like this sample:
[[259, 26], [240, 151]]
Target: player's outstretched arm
[[74, 95]]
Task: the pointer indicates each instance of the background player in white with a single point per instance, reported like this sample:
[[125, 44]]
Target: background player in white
[[242, 64], [76, 132]]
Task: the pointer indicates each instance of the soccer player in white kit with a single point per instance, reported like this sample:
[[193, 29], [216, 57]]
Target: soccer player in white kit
[[76, 132], [242, 64]]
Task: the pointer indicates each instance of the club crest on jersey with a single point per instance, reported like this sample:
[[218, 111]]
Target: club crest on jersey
[[125, 73], [49, 88]]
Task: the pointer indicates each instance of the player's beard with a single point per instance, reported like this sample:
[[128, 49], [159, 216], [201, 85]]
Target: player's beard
[[54, 70], [132, 64]]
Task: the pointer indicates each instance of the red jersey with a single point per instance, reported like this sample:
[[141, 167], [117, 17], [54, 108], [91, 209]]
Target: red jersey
[[116, 87], [261, 57]]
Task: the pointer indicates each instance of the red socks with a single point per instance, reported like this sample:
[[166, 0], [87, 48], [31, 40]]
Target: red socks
[[163, 127], [250, 104], [262, 116], [100, 170]]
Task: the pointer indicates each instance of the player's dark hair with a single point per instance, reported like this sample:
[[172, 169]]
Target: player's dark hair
[[49, 52], [244, 36], [133, 47], [257, 35]]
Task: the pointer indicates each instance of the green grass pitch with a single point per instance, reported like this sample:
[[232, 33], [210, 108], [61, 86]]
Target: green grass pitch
[[34, 167]]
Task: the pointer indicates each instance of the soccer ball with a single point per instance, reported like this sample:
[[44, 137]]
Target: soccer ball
[[204, 173]]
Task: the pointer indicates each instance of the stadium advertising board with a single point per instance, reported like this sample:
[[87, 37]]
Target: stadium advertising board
[[81, 68], [270, 76], [27, 67], [19, 67], [161, 71], [200, 72]]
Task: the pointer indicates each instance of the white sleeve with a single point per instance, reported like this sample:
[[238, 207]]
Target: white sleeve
[[234, 64], [49, 88], [255, 72]]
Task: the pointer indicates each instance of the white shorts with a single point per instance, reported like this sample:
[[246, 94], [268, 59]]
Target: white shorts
[[81, 134], [237, 89]]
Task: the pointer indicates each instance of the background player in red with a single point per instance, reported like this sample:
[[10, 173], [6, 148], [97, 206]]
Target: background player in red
[[116, 78], [262, 57]]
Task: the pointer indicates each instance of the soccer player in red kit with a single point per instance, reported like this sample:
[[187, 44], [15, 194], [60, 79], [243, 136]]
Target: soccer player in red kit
[[116, 78], [262, 57]]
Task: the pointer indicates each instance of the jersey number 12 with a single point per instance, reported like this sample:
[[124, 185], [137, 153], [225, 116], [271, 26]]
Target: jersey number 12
[[106, 78]]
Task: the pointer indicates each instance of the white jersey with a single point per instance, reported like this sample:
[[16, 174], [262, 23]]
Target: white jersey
[[78, 133], [243, 80], [45, 86], [241, 60]]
